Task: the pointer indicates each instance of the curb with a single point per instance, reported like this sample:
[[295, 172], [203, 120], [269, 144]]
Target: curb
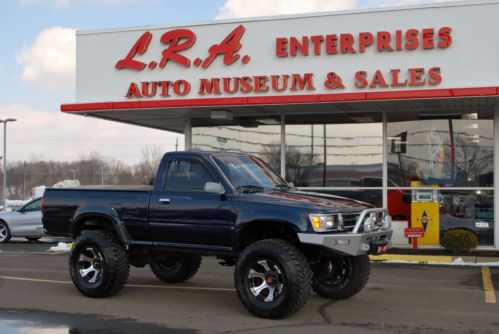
[[434, 259]]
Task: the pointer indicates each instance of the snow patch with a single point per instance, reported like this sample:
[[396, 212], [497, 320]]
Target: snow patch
[[67, 184], [61, 246], [457, 262]]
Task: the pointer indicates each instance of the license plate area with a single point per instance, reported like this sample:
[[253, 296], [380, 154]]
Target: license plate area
[[378, 247]]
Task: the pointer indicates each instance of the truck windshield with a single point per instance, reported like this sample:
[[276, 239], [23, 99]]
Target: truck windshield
[[245, 171]]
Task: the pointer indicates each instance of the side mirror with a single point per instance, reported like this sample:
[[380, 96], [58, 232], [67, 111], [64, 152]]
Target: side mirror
[[214, 188], [21, 210]]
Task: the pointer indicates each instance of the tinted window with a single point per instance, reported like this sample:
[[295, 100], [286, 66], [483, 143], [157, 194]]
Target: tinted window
[[186, 175], [33, 206]]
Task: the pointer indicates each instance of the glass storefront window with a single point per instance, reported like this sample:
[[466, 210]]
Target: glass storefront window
[[263, 141], [472, 210], [324, 154], [457, 151]]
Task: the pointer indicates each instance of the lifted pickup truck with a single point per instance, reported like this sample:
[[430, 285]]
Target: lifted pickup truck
[[282, 241]]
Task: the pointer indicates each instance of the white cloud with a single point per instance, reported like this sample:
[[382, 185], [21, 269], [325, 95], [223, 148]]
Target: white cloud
[[59, 136], [57, 4], [385, 3], [51, 60], [248, 8]]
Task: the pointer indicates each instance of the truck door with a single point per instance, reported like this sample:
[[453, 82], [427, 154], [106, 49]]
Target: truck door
[[181, 213]]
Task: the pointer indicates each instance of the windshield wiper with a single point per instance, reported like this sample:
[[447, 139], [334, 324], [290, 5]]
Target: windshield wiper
[[250, 188], [283, 186]]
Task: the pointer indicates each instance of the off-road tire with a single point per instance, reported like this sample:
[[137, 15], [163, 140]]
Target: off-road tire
[[114, 263], [293, 272], [341, 284], [6, 230], [176, 268]]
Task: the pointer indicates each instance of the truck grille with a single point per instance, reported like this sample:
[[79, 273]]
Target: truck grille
[[349, 220]]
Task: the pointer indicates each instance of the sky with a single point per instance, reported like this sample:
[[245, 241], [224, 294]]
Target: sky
[[37, 67]]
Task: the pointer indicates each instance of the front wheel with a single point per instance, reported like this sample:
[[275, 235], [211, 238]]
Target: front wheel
[[98, 264], [341, 277], [272, 278], [4, 232]]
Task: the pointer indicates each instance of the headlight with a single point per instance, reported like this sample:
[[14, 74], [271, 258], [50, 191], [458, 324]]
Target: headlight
[[369, 224], [323, 222], [387, 223]]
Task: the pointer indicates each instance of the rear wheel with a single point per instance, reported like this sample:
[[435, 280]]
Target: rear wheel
[[175, 268], [4, 232], [98, 264], [341, 277], [272, 278]]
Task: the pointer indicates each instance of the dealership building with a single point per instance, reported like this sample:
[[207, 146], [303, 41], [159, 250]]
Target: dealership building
[[397, 106]]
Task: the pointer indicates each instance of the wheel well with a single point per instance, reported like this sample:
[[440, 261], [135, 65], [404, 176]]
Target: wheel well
[[93, 223], [259, 230], [7, 225]]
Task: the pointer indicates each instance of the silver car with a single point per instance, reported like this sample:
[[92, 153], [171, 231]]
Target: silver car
[[23, 222]]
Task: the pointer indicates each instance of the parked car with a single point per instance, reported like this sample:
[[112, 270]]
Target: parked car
[[23, 222], [282, 241]]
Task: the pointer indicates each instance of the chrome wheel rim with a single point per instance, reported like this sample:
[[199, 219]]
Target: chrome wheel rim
[[266, 280], [90, 265], [3, 232], [334, 272]]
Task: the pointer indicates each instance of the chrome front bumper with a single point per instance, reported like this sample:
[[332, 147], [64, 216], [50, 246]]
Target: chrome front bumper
[[353, 243]]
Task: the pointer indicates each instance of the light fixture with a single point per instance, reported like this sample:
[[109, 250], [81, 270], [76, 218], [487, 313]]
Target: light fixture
[[470, 116], [222, 114]]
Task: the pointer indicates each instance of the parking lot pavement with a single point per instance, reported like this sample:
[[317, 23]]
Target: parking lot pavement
[[20, 245], [398, 299]]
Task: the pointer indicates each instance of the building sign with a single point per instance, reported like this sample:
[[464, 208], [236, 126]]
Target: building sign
[[341, 53], [178, 40]]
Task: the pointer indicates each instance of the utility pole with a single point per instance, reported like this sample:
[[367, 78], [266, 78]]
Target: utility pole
[[74, 173], [102, 173], [24, 180], [4, 186], [176, 145]]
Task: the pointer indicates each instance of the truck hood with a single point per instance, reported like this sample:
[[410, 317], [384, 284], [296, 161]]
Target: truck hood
[[309, 200]]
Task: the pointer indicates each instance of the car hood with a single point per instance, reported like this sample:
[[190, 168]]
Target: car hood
[[8, 214], [309, 200]]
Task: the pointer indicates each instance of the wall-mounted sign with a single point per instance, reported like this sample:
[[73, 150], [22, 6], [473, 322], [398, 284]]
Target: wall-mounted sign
[[340, 53]]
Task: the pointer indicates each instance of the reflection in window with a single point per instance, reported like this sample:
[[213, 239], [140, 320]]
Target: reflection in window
[[263, 141], [334, 155], [470, 210], [458, 209], [372, 197], [447, 152]]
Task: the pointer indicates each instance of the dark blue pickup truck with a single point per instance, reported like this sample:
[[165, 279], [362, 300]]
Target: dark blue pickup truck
[[282, 241]]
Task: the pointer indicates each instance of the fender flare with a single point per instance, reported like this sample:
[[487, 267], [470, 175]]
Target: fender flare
[[82, 217]]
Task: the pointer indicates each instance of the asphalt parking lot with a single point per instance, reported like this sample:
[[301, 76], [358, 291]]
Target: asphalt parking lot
[[36, 296]]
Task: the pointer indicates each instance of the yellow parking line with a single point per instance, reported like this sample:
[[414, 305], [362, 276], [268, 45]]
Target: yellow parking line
[[412, 258], [488, 286], [171, 287]]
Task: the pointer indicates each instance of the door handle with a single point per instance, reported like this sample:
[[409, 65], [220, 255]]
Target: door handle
[[164, 201]]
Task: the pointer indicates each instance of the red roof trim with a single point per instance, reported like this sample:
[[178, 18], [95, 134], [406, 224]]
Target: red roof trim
[[283, 99]]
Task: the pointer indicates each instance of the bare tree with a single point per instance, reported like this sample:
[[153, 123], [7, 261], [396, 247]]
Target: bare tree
[[149, 163]]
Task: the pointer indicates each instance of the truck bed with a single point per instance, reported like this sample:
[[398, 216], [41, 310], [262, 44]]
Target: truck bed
[[126, 205]]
